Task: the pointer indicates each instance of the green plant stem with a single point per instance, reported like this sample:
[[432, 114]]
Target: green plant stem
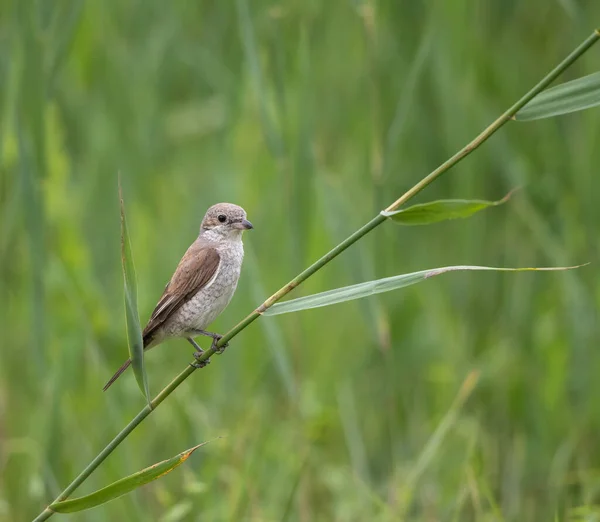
[[508, 115], [376, 221]]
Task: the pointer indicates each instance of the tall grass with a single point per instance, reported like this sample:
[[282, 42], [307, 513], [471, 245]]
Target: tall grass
[[348, 105]]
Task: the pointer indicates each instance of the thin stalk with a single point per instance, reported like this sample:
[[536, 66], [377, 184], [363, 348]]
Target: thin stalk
[[376, 221], [508, 115]]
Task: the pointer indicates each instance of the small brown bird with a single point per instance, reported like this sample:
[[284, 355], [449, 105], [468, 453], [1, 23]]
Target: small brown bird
[[203, 283]]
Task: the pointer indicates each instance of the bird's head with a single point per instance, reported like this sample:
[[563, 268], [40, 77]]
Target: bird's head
[[225, 221]]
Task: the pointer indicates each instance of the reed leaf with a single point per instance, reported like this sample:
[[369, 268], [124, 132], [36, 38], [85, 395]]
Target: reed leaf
[[576, 95], [124, 485], [349, 293], [441, 210], [134, 329]]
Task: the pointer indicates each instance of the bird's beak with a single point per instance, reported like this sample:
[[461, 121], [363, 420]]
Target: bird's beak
[[244, 225]]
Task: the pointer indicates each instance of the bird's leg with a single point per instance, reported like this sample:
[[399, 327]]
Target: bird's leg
[[199, 352], [215, 337]]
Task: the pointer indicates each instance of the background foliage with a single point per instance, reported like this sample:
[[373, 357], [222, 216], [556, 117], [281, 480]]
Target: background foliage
[[313, 116]]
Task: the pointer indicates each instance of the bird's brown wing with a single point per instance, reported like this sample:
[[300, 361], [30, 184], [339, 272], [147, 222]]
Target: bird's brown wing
[[195, 270]]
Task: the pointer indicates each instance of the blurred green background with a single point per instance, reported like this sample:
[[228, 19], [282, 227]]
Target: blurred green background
[[469, 397]]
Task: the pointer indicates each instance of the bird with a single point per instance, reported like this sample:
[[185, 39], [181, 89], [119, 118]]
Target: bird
[[203, 283]]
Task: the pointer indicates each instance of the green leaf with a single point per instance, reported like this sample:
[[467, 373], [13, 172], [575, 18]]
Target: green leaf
[[123, 486], [577, 95], [134, 329], [441, 210], [348, 293]]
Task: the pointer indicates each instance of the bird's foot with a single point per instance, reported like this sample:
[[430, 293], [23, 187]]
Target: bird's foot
[[199, 352], [218, 349], [197, 363], [216, 338]]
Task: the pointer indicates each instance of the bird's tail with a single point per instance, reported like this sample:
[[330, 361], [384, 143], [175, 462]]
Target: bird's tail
[[117, 375]]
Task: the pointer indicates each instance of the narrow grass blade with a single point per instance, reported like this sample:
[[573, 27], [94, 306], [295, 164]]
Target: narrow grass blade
[[434, 443], [134, 329], [349, 293], [251, 52], [123, 486], [441, 210], [577, 95]]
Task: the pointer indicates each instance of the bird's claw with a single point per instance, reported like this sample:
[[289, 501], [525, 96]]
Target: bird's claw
[[199, 364], [215, 339], [218, 349]]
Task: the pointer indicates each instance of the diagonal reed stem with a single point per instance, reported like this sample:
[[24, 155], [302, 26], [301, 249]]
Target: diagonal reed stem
[[376, 221]]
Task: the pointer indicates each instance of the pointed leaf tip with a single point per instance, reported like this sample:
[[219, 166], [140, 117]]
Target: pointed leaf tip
[[124, 485], [442, 210], [349, 293]]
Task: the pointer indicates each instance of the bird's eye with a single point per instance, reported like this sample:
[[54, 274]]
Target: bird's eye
[[222, 218]]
